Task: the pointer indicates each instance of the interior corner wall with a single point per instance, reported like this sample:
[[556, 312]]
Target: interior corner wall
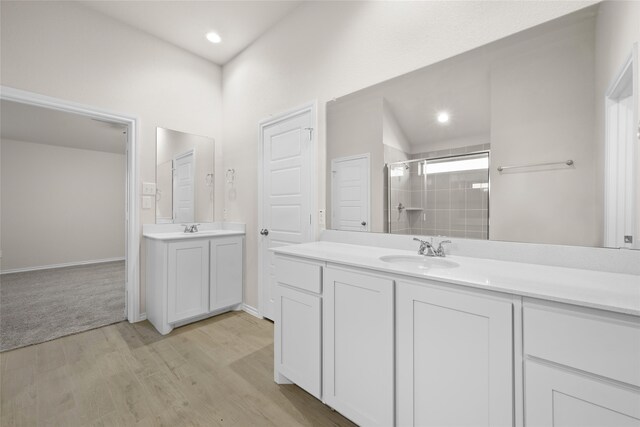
[[392, 133], [67, 51], [323, 50], [58, 203]]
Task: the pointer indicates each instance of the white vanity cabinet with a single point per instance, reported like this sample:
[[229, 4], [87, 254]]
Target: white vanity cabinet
[[297, 338], [358, 346], [454, 357], [456, 347], [187, 279], [192, 277], [225, 285], [582, 366]]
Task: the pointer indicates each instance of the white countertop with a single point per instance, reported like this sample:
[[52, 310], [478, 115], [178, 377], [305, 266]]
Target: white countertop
[[596, 289], [181, 235]]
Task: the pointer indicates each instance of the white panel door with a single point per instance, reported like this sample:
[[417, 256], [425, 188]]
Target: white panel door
[[454, 358], [358, 346], [563, 398], [286, 195], [350, 193], [188, 279], [226, 272], [184, 189]]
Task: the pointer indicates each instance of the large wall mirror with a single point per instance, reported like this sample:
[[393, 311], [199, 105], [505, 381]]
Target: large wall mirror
[[532, 138], [184, 177]]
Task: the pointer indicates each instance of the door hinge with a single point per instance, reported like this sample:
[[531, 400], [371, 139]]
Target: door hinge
[[310, 133]]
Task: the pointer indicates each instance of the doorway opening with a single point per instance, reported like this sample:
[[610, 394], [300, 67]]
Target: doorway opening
[[621, 226], [69, 235]]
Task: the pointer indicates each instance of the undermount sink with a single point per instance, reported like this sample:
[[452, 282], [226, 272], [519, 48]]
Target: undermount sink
[[419, 261]]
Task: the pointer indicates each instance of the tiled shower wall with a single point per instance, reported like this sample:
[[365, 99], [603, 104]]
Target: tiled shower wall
[[444, 204]]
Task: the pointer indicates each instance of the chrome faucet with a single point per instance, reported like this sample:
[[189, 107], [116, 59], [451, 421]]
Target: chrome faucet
[[440, 250], [425, 246], [193, 228], [430, 249]]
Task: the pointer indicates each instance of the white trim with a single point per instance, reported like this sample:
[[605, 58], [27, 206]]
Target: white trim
[[311, 107], [251, 310], [619, 203], [66, 264], [132, 288]]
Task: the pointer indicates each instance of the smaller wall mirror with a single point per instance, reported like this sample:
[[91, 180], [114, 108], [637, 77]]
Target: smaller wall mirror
[[184, 177]]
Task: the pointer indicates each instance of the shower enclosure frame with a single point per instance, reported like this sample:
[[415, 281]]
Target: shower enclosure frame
[[451, 156]]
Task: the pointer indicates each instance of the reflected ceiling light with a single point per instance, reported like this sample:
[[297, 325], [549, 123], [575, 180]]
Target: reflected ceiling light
[[443, 117], [214, 37]]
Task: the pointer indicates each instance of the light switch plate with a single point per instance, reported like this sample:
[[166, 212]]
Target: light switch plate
[[147, 202], [148, 188]]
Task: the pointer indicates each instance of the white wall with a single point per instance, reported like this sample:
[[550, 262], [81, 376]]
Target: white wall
[[545, 83], [67, 51], [60, 205], [324, 50], [358, 130]]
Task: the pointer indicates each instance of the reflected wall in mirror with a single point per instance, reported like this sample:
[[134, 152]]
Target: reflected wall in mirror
[[551, 113], [184, 177]]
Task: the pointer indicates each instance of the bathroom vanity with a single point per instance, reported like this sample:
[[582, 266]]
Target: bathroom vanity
[[191, 276], [389, 338]]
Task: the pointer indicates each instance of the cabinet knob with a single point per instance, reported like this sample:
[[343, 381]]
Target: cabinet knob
[[264, 232], [363, 223]]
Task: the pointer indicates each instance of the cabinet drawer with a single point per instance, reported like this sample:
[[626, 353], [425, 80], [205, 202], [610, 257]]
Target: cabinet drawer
[[299, 274], [606, 344], [555, 397]]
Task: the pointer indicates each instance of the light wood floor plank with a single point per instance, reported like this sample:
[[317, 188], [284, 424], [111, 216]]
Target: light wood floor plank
[[217, 372]]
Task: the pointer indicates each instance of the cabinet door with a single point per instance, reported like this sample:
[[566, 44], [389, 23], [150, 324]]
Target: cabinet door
[[297, 338], [358, 346], [563, 398], [188, 279], [226, 272], [454, 358]]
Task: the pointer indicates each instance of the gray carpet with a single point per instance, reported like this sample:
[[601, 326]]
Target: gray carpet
[[38, 306]]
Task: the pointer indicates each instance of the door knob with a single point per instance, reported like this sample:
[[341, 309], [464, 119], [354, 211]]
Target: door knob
[[363, 223], [264, 232]]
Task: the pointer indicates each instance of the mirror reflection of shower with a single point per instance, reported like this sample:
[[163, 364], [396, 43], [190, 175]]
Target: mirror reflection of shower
[[440, 196]]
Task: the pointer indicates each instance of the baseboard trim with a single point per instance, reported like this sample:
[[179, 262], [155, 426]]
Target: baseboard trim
[[251, 310], [67, 264]]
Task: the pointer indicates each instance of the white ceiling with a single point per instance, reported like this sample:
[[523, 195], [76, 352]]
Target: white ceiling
[[185, 23], [462, 90], [27, 123]]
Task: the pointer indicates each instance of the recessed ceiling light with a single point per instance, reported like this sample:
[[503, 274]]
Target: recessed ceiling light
[[443, 117], [214, 37]]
